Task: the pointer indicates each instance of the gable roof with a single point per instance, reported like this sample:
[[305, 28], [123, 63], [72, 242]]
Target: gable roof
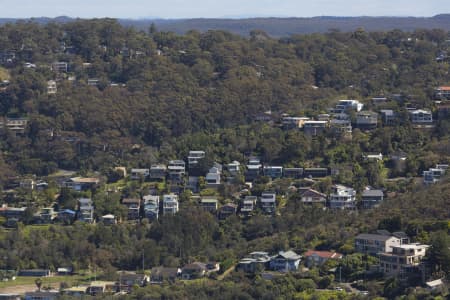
[[289, 255], [323, 254], [311, 193]]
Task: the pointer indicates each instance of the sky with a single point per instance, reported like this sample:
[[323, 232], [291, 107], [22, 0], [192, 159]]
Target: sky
[[175, 9]]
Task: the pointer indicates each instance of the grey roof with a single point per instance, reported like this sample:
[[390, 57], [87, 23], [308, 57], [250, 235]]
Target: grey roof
[[373, 193], [376, 237], [291, 255]]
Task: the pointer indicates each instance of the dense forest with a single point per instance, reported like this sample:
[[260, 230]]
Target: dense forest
[[158, 95]]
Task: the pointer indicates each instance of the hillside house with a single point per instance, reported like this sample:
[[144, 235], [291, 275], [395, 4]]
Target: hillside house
[[151, 207], [133, 206], [421, 116], [81, 183], [227, 210], [403, 261], [256, 261], [285, 261], [109, 219], [346, 105], [310, 196], [366, 120], [434, 175], [254, 169], [209, 204], [317, 258], [51, 87], [176, 169], [85, 210], [157, 172], [139, 174], [268, 202], [248, 205], [314, 128], [372, 198], [295, 173], [342, 197], [273, 171], [170, 204], [376, 243], [213, 177], [234, 168]]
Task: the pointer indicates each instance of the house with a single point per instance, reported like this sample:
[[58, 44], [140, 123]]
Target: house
[[366, 120], [47, 295], [66, 216], [273, 171], [234, 168], [376, 243], [85, 210], [63, 271], [170, 204], [434, 175], [159, 275], [227, 210], [323, 117], [129, 279], [176, 169], [109, 219], [373, 156], [15, 125], [158, 172], [345, 105], [81, 183], [248, 205], [295, 173], [342, 197], [285, 261], [213, 177], [318, 258], [133, 205], [97, 288], [372, 198], [47, 215], [268, 202], [421, 117], [315, 172], [443, 110], [256, 261], [341, 126], [209, 203], [27, 183], [51, 87], [151, 207], [35, 272], [403, 261], [254, 168], [442, 92], [388, 117], [293, 122], [379, 100], [311, 196], [194, 157], [313, 128], [138, 174], [435, 286], [60, 67], [193, 271]]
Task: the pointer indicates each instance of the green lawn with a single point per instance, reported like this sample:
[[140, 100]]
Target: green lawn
[[25, 280]]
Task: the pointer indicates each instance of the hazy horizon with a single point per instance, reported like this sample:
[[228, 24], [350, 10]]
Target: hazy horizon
[[233, 9]]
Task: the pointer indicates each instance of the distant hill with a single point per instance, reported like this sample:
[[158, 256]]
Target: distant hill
[[281, 26]]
